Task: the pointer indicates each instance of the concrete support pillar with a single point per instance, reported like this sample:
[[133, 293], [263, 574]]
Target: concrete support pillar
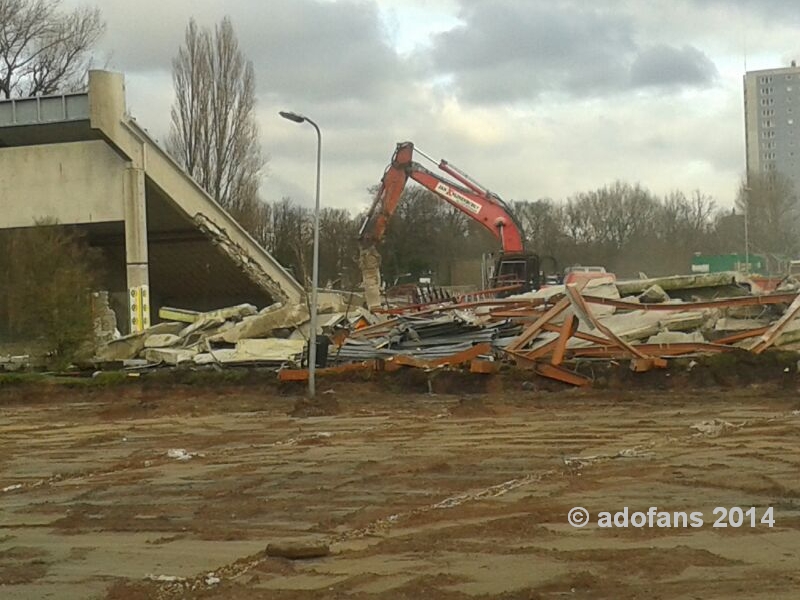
[[136, 259]]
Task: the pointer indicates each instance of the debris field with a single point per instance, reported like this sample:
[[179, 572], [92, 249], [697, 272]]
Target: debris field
[[566, 333], [237, 491]]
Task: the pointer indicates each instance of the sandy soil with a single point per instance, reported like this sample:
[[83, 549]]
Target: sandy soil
[[138, 492]]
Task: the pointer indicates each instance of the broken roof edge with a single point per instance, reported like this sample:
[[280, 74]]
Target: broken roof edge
[[108, 114]]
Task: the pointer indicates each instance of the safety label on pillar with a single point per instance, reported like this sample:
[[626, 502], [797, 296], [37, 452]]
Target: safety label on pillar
[[139, 308]]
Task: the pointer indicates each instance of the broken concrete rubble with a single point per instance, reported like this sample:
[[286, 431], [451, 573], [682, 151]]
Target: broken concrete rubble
[[271, 350], [130, 346], [676, 337], [653, 295], [169, 356], [733, 324], [700, 285], [105, 319], [14, 363], [233, 335], [265, 323], [161, 340], [551, 331]]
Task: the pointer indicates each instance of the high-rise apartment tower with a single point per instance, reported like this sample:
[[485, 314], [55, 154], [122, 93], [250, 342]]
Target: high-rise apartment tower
[[772, 121]]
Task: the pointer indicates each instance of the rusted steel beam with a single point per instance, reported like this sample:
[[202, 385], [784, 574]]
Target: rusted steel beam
[[463, 356], [539, 352], [768, 337], [532, 331], [469, 297], [565, 333], [640, 365], [588, 337], [653, 350], [487, 367], [522, 360], [407, 360], [458, 358], [742, 335], [763, 300], [583, 311], [561, 374], [518, 314]]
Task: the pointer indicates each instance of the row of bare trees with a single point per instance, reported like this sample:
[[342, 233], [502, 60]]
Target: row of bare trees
[[622, 226]]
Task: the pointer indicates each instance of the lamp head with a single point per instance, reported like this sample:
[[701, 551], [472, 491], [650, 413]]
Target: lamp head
[[292, 116]]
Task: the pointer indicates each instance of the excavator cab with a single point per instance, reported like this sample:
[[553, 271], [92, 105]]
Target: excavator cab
[[516, 270]]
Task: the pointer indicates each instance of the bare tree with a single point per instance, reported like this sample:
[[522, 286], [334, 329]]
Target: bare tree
[[214, 134], [291, 237], [42, 49], [47, 274], [772, 206]]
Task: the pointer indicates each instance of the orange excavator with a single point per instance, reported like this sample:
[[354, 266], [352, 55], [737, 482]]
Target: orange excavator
[[514, 269]]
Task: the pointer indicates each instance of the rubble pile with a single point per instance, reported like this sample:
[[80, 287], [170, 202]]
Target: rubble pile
[[425, 337], [275, 336], [553, 329], [550, 331]]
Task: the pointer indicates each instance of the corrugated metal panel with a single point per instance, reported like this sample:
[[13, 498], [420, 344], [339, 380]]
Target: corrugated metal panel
[[426, 338]]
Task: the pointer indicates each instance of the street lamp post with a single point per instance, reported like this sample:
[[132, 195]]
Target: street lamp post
[[312, 342], [747, 191]]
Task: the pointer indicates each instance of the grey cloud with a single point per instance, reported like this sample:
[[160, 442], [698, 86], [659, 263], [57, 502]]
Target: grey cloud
[[143, 36], [322, 51], [767, 10], [663, 65], [314, 49], [507, 51]]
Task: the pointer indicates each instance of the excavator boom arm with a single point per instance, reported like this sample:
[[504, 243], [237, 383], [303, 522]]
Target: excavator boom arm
[[481, 206]]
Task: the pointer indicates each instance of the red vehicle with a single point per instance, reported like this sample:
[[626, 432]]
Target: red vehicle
[[513, 267]]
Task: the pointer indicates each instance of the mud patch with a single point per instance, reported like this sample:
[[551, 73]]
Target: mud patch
[[471, 407], [21, 564], [322, 406]]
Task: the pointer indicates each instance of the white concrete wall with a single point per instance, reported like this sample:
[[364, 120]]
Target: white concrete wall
[[79, 182]]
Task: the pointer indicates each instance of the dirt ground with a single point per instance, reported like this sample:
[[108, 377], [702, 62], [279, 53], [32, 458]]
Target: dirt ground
[[142, 491]]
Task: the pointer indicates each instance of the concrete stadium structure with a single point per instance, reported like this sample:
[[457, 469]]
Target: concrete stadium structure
[[81, 159]]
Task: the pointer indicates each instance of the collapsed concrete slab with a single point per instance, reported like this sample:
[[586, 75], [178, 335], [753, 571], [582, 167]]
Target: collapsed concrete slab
[[653, 295], [130, 346], [265, 323], [169, 356], [678, 286], [677, 337], [270, 349]]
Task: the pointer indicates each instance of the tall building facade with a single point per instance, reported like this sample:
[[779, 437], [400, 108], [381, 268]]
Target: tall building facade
[[772, 121]]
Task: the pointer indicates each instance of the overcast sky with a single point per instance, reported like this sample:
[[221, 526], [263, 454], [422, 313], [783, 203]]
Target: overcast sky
[[533, 98]]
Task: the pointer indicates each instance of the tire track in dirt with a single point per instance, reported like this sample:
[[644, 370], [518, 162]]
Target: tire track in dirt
[[649, 450]]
